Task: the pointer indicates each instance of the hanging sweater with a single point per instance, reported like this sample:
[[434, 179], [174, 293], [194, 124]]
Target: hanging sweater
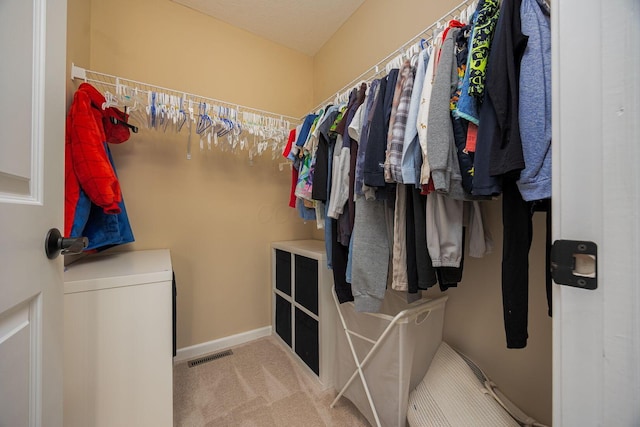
[[443, 162], [535, 103], [425, 102], [499, 148], [502, 85]]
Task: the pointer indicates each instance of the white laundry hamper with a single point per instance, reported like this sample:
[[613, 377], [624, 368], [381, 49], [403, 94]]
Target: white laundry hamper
[[393, 350], [455, 392]]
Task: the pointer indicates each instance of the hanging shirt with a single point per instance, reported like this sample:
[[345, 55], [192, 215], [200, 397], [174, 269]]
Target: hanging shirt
[[312, 141], [404, 88], [498, 146], [467, 106], [370, 103], [341, 190], [321, 169], [302, 135], [375, 155], [411, 153], [341, 158], [423, 118], [488, 13], [290, 140], [294, 171], [305, 178], [460, 125]]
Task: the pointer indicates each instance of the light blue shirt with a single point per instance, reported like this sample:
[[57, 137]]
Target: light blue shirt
[[411, 144]]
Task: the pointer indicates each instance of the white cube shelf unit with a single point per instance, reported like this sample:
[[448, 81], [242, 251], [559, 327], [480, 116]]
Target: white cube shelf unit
[[304, 314]]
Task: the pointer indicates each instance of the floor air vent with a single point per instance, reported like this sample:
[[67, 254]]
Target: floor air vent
[[209, 358]]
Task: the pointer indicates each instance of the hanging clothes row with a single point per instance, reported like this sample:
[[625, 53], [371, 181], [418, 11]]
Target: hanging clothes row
[[396, 174], [209, 123]]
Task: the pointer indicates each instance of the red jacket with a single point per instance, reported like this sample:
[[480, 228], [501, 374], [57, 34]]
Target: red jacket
[[87, 165]]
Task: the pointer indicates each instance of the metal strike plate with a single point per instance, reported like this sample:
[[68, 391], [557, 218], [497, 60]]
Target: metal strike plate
[[575, 263]]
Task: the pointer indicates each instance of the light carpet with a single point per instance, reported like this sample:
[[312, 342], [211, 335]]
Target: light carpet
[[259, 385]]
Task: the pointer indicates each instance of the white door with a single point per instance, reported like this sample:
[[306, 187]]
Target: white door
[[32, 114], [596, 196]]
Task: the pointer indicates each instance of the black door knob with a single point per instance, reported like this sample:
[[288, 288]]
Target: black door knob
[[55, 244]]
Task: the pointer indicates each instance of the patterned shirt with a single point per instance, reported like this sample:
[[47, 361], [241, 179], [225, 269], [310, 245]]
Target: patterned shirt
[[488, 12], [395, 141]]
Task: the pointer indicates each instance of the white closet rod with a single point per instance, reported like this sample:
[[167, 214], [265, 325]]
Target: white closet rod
[[381, 66], [111, 80], [230, 127]]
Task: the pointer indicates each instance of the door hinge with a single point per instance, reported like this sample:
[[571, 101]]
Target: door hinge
[[575, 263]]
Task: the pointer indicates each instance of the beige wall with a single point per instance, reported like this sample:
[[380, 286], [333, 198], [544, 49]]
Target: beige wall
[[473, 320], [170, 45], [78, 38], [375, 30], [215, 212]]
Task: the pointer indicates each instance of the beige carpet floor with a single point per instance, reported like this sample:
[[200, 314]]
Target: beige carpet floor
[[259, 385]]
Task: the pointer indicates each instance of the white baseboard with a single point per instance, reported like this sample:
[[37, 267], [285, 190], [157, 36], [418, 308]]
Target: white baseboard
[[188, 353]]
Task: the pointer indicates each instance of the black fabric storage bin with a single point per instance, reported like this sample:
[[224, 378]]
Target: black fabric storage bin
[[306, 283], [307, 340], [283, 319], [283, 271]]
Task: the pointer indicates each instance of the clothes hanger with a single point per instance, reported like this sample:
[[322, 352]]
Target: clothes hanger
[[110, 100], [204, 122], [414, 52], [182, 116], [164, 111], [135, 103], [152, 110], [189, 139], [463, 17]]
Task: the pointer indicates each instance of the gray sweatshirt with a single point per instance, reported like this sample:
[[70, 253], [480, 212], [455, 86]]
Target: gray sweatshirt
[[535, 102], [441, 149]]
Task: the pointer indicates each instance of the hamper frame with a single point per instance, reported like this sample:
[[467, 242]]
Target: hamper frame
[[421, 308]]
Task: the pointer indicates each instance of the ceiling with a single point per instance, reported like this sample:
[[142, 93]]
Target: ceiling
[[303, 25]]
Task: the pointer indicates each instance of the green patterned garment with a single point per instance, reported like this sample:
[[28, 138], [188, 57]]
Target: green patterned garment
[[341, 112], [488, 12]]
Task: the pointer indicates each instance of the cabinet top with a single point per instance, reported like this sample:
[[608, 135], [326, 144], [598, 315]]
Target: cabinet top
[[314, 249], [117, 269]]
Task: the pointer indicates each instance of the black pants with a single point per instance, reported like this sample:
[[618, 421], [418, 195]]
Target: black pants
[[339, 259], [518, 233], [421, 273]]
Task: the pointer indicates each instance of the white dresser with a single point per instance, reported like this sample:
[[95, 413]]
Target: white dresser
[[118, 341]]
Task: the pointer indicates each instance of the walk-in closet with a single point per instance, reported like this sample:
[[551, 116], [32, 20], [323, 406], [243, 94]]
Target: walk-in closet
[[205, 254]]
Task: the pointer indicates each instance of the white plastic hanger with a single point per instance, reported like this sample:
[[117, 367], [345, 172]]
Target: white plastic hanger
[[110, 100]]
